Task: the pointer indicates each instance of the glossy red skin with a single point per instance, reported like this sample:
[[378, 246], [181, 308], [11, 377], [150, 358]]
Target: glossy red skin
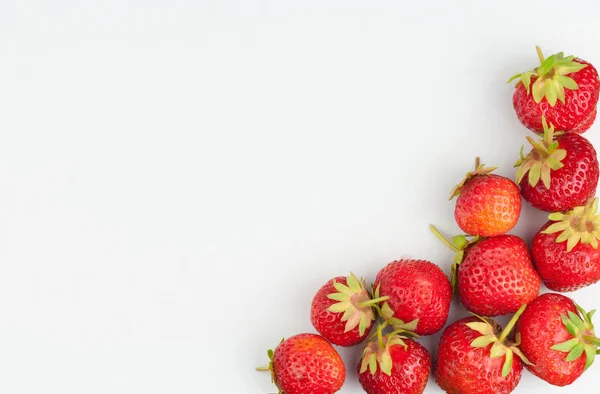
[[488, 205], [561, 270], [418, 289], [576, 115], [462, 369], [497, 276], [330, 324], [410, 371], [570, 186], [307, 363], [541, 328]]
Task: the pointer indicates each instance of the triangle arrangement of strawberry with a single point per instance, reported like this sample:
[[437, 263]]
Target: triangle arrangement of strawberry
[[492, 273]]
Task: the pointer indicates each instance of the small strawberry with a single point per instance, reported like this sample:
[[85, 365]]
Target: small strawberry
[[567, 166], [565, 250], [475, 357], [394, 364], [493, 276], [563, 89], [559, 341], [342, 311], [417, 290], [487, 204], [306, 363]]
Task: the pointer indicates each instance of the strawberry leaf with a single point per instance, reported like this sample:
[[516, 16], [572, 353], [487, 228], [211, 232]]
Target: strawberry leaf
[[498, 350], [546, 65], [483, 341], [569, 325], [566, 346], [507, 363], [385, 363], [576, 352], [518, 352], [590, 355], [567, 82]]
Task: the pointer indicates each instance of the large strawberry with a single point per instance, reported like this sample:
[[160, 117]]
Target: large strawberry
[[394, 364], [566, 165], [487, 204], [565, 250], [306, 363], [557, 339], [342, 311], [493, 276], [474, 357], [563, 89], [417, 290]]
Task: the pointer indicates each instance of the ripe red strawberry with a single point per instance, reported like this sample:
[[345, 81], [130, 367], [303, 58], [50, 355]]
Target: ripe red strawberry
[[559, 341], [493, 276], [394, 364], [342, 311], [565, 250], [417, 290], [306, 363], [567, 166], [474, 357], [487, 204], [563, 89]]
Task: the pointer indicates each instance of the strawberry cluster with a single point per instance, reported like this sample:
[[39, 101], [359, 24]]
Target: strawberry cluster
[[493, 273]]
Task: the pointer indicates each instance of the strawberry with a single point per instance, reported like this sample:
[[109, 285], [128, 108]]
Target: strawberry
[[566, 164], [342, 311], [558, 340], [493, 276], [487, 204], [563, 89], [417, 290], [474, 357], [306, 363], [394, 364], [565, 250]]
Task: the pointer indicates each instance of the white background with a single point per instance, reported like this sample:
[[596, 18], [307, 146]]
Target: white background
[[177, 178]]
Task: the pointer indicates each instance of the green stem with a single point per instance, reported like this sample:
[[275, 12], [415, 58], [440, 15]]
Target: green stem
[[403, 333], [444, 240], [454, 278], [377, 309], [373, 301], [263, 369], [540, 54], [591, 339], [382, 325], [380, 337], [512, 323]]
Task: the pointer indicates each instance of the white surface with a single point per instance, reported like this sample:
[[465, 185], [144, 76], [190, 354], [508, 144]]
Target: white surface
[[177, 178]]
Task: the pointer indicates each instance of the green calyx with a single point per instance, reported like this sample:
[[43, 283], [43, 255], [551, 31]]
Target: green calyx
[[377, 351], [271, 355], [579, 225], [490, 335], [458, 245], [355, 302], [480, 169], [387, 314], [542, 159], [551, 77], [584, 339]]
